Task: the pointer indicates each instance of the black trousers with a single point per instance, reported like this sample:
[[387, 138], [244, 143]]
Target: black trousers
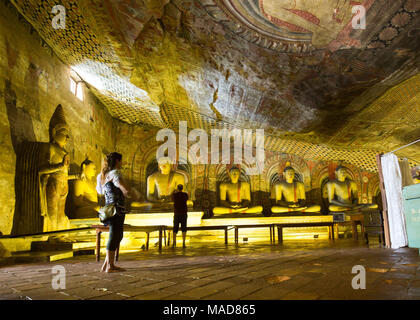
[[116, 231], [180, 219]]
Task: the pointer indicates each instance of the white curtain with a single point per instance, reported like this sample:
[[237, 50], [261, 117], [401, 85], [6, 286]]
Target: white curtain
[[393, 189]]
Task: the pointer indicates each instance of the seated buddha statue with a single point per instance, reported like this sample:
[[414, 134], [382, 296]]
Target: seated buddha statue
[[235, 197], [290, 195], [160, 187], [85, 197], [343, 194]]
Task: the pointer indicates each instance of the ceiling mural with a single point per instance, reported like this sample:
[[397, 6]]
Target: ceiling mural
[[296, 68], [297, 26]]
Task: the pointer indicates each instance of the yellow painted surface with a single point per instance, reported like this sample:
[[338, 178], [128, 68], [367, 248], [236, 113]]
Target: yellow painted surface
[[60, 256]]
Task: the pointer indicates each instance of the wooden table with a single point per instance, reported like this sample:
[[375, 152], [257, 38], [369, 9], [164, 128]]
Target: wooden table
[[243, 226], [147, 229], [199, 228], [280, 227]]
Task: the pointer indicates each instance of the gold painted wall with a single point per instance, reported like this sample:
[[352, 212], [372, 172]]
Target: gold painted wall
[[33, 82]]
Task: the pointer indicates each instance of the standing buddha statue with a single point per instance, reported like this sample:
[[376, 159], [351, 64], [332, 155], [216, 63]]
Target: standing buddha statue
[[54, 175]]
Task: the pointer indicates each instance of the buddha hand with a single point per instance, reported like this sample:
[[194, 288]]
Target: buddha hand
[[66, 161]]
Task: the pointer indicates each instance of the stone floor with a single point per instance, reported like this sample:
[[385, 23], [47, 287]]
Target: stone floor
[[296, 270]]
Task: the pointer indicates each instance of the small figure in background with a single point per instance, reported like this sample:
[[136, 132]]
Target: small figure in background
[[180, 213]]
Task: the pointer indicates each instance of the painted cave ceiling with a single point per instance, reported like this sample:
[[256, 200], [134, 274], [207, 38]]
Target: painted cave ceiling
[[296, 68]]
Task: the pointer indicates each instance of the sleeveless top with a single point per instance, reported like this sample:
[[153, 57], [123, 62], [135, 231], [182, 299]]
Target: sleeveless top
[[110, 189]]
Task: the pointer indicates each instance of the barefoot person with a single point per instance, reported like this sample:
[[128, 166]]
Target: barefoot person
[[111, 184], [180, 213]]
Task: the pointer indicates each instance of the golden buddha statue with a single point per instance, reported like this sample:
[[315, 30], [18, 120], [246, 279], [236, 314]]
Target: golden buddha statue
[[343, 194], [235, 197], [54, 175], [85, 197], [160, 187], [290, 195]]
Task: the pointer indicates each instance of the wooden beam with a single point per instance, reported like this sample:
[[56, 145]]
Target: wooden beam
[[384, 203]]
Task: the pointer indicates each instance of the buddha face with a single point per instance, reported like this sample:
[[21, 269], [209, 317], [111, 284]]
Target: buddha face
[[61, 136], [165, 167], [234, 175], [89, 170], [289, 175], [341, 174]]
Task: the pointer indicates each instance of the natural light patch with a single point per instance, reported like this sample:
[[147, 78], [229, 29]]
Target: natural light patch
[[107, 82], [76, 88]]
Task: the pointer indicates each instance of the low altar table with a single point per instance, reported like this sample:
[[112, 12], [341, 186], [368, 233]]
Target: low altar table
[[147, 229], [279, 221]]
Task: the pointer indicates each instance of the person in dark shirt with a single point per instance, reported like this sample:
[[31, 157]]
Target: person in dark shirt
[[180, 213]]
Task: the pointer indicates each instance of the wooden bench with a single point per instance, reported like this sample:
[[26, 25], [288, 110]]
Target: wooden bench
[[147, 229], [280, 227], [200, 228], [243, 226]]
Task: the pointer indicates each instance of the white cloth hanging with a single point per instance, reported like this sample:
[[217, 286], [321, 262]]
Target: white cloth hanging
[[393, 189]]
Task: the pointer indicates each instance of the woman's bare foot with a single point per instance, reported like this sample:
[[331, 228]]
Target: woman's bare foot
[[114, 269]]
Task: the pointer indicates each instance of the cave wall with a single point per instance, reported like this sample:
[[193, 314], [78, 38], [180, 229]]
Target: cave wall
[[33, 81]]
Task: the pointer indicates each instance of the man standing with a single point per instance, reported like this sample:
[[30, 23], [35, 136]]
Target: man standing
[[180, 213]]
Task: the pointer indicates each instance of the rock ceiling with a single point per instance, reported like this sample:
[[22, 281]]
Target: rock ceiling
[[296, 68]]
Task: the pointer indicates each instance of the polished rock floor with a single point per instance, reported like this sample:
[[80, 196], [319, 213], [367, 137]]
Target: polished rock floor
[[300, 270]]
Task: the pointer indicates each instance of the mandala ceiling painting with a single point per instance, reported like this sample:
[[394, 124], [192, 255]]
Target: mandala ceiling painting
[[298, 26]]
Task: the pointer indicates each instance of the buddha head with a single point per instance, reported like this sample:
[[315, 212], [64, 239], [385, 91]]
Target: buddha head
[[289, 173], [165, 165], [341, 173], [88, 169], [234, 174], [59, 129]]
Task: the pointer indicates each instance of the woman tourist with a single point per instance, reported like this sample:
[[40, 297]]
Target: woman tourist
[[111, 184]]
